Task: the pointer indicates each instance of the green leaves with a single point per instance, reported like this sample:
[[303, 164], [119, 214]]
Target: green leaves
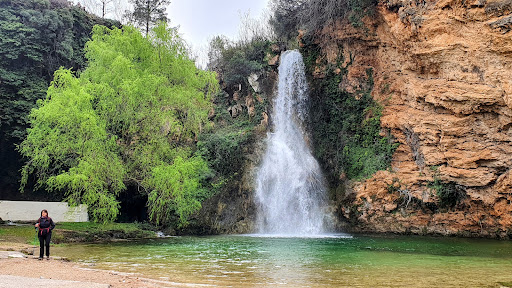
[[235, 61], [224, 149], [131, 117], [146, 13], [69, 147], [177, 188], [346, 128], [36, 38]]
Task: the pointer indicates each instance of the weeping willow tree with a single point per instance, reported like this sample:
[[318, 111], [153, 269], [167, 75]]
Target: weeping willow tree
[[130, 118]]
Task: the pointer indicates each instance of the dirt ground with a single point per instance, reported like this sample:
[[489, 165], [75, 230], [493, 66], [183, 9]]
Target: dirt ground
[[28, 271]]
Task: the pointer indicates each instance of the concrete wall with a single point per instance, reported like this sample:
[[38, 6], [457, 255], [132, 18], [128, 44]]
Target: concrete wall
[[31, 211]]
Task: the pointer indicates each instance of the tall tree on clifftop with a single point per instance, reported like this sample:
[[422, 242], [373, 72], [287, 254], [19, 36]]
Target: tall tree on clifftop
[[146, 13]]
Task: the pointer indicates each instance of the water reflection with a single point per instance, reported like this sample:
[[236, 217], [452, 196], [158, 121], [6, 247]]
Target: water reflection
[[287, 262], [242, 261]]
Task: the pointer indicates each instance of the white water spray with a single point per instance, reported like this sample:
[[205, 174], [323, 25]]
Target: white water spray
[[289, 186]]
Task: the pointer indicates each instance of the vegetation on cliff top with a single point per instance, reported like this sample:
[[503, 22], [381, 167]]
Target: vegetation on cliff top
[[290, 16], [130, 118]]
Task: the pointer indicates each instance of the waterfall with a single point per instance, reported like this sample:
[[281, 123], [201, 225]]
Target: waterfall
[[289, 184]]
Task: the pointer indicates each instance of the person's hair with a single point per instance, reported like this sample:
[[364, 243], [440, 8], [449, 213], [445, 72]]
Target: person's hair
[[44, 210]]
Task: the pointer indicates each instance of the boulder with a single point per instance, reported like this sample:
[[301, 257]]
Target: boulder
[[253, 81], [235, 110]]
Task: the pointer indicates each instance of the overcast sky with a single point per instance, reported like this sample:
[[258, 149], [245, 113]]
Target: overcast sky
[[200, 20]]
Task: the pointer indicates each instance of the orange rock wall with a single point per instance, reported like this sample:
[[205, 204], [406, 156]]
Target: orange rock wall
[[443, 73]]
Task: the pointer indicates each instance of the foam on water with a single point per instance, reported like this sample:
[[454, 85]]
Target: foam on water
[[311, 236]]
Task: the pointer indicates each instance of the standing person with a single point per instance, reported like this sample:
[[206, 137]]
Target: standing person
[[45, 225]]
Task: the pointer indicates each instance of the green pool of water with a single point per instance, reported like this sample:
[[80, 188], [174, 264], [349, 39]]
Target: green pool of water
[[335, 261]]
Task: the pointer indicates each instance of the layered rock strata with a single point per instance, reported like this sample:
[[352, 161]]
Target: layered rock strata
[[443, 73]]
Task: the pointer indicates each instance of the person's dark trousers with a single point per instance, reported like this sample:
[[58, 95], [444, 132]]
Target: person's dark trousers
[[44, 241]]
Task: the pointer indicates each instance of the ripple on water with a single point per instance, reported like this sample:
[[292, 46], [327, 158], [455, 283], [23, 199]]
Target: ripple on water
[[337, 260]]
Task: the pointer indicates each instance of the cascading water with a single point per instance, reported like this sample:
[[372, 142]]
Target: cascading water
[[289, 184]]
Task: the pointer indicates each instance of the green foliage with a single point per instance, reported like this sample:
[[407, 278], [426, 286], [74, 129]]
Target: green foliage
[[178, 189], [346, 127], [147, 13], [131, 117], [289, 16], [36, 38], [448, 193], [69, 147], [311, 54], [227, 146], [235, 61], [224, 149]]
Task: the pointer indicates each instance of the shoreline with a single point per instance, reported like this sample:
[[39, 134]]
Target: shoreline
[[31, 271], [21, 270]]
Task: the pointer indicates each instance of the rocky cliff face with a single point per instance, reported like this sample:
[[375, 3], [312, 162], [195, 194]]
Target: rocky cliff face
[[443, 74], [232, 210]]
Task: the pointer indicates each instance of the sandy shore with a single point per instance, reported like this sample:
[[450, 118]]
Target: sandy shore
[[19, 270]]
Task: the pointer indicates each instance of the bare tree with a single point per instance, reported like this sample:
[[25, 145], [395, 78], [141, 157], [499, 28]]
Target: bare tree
[[254, 29], [317, 13], [104, 8], [216, 47]]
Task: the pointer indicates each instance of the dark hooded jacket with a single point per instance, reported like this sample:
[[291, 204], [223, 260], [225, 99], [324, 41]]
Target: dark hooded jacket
[[46, 225]]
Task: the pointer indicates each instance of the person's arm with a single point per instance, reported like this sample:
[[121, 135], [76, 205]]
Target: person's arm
[[37, 224], [52, 224]]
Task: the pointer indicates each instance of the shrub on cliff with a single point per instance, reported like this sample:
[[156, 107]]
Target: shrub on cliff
[[289, 16], [227, 146], [449, 194], [234, 61], [132, 118], [224, 149], [346, 130]]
